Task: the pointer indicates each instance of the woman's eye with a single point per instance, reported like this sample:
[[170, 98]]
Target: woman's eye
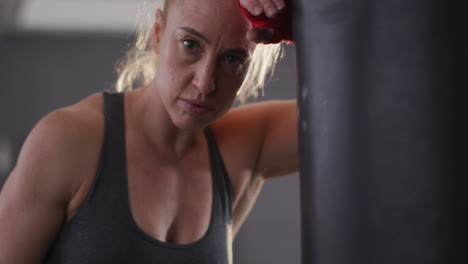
[[235, 60], [190, 44]]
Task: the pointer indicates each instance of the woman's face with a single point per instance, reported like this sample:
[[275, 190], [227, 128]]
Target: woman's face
[[203, 58]]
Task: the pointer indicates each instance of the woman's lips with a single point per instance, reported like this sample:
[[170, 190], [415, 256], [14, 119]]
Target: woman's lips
[[198, 108]]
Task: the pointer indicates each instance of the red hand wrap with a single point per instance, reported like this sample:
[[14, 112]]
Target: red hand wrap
[[281, 23]]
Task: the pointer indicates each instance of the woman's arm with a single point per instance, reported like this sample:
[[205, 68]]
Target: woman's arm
[[35, 198], [273, 127], [258, 141]]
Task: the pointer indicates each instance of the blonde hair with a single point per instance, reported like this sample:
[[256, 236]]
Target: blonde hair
[[138, 66]]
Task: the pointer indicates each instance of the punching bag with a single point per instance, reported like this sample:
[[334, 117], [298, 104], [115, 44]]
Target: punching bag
[[381, 90]]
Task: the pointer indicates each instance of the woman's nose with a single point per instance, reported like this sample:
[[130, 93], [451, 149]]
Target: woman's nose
[[204, 79]]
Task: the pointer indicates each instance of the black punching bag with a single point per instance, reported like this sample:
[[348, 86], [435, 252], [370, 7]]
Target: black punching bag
[[381, 91]]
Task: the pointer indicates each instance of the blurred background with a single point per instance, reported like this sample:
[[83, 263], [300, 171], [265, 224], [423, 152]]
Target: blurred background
[[54, 53]]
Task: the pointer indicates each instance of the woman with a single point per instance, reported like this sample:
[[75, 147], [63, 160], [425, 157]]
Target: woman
[[162, 174]]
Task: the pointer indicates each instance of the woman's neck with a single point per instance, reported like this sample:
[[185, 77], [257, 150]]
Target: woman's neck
[[147, 113]]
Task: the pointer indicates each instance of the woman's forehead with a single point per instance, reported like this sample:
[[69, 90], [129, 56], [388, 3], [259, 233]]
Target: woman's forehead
[[224, 14], [216, 20]]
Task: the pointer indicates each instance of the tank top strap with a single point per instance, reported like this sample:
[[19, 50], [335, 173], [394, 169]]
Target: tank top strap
[[220, 176], [106, 202]]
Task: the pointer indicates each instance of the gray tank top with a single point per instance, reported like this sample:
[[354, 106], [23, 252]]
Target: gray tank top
[[103, 230]]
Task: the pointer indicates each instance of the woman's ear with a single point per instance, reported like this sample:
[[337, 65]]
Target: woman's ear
[[158, 30]]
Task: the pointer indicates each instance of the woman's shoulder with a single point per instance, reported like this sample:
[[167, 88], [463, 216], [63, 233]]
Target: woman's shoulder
[[65, 138], [75, 127], [75, 122], [63, 148]]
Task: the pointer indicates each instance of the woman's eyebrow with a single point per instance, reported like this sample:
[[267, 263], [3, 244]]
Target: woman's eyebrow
[[195, 32]]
